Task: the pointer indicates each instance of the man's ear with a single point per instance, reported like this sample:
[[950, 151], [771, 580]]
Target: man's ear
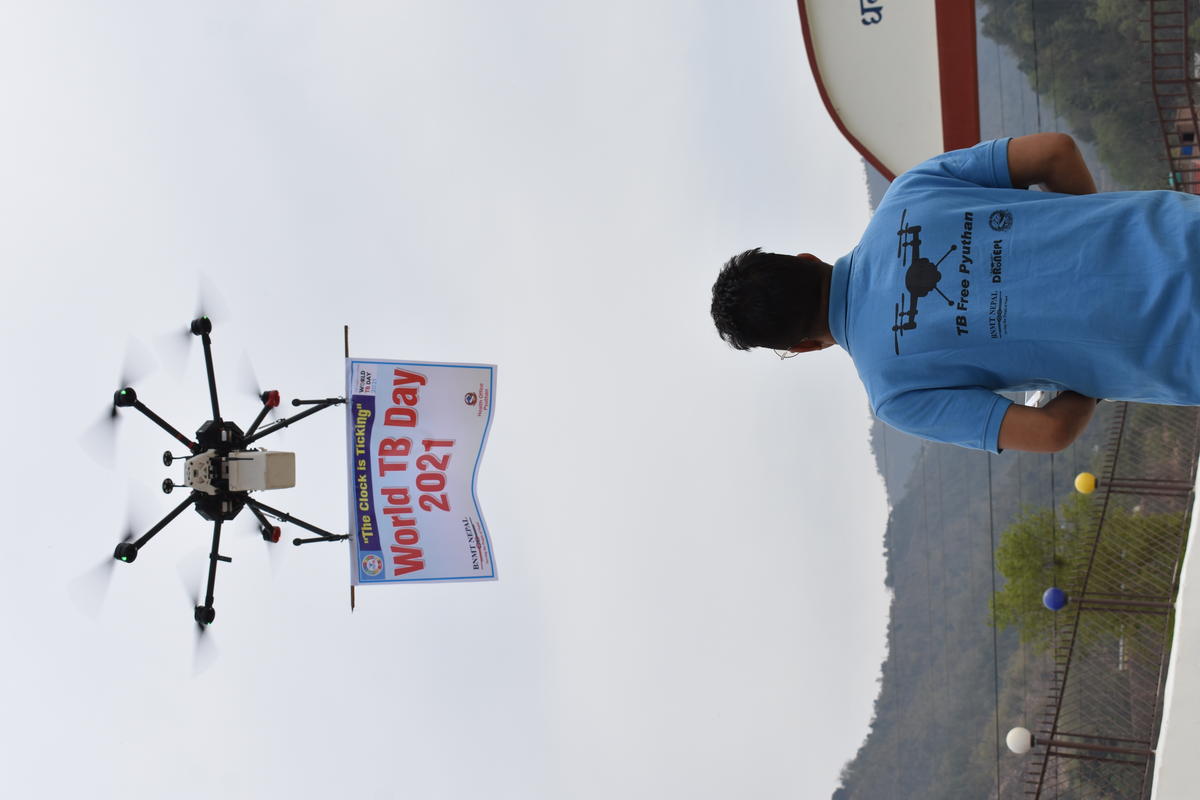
[[807, 346], [807, 256]]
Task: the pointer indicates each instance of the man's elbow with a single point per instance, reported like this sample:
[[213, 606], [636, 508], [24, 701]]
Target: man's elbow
[[1068, 420], [1046, 441], [1062, 145], [1065, 150], [1051, 429], [1060, 437]]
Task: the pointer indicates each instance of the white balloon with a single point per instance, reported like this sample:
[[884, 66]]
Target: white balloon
[[1019, 740]]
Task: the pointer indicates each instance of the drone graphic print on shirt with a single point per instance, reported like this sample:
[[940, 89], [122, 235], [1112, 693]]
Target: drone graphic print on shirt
[[922, 277]]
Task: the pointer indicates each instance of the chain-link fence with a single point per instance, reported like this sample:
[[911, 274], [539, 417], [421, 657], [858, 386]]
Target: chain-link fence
[[1098, 731]]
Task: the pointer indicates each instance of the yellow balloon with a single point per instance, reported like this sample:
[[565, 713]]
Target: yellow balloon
[[1085, 483]]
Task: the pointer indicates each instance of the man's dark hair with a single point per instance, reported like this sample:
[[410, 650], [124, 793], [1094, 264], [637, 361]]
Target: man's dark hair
[[766, 300]]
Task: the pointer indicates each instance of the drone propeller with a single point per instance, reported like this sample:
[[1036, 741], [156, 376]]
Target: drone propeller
[[91, 588], [177, 344], [99, 440], [251, 387], [271, 534], [204, 651], [272, 541]]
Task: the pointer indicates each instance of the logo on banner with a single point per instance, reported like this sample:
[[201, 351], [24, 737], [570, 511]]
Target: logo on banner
[[365, 381], [470, 398], [372, 565]]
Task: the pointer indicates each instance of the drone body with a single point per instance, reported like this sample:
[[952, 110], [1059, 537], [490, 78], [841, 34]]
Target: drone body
[[222, 469], [240, 471]]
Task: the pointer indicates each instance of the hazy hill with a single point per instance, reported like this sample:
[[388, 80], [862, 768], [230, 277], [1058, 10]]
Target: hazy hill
[[934, 732]]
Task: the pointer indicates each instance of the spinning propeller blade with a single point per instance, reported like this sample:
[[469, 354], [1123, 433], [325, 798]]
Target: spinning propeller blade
[[251, 387], [178, 344], [99, 440], [204, 649], [275, 549], [91, 588]]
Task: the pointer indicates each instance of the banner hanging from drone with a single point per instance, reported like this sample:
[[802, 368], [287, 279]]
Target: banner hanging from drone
[[416, 432]]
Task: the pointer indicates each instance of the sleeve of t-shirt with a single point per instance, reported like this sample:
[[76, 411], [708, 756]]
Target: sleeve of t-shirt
[[985, 164], [968, 416]]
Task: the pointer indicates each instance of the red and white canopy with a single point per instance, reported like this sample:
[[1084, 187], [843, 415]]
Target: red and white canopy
[[898, 77]]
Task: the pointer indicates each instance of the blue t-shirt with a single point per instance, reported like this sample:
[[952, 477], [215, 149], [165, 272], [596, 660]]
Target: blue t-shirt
[[963, 286]]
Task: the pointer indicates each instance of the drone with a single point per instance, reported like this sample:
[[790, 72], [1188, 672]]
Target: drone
[[920, 279], [222, 470]]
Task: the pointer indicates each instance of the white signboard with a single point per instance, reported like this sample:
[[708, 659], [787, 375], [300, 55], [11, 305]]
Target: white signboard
[[416, 432], [898, 78]]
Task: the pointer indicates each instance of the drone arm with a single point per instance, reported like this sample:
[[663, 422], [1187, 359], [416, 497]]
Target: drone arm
[[324, 535], [254, 509], [258, 420], [212, 378], [283, 423], [165, 521], [297, 541], [213, 558], [328, 401], [162, 423]]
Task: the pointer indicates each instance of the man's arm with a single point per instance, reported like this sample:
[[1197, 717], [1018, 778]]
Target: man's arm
[[1047, 429], [1051, 159]]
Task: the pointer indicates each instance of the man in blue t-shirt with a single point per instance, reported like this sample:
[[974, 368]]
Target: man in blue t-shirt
[[964, 284]]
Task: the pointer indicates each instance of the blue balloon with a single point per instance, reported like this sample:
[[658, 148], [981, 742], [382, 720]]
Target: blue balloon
[[1054, 598]]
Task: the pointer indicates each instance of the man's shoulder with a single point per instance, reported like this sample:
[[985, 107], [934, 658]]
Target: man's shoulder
[[983, 165], [913, 186]]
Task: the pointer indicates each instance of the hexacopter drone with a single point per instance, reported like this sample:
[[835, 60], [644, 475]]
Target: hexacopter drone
[[222, 469]]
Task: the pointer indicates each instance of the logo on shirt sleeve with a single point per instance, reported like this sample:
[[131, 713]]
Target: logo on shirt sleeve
[[1000, 220]]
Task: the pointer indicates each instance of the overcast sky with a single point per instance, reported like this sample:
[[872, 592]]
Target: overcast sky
[[689, 539]]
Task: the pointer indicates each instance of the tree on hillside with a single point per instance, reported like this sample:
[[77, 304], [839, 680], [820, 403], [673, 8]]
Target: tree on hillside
[[1086, 57], [1034, 553], [1037, 552]]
